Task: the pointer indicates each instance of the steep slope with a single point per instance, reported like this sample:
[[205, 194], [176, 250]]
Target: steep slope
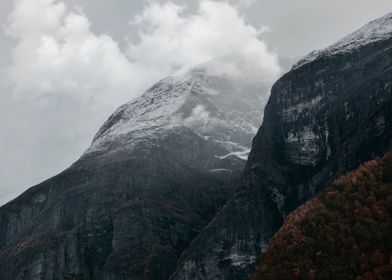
[[329, 114], [156, 173], [344, 233]]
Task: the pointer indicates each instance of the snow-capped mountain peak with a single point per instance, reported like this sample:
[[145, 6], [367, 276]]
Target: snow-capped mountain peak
[[377, 30], [219, 106]]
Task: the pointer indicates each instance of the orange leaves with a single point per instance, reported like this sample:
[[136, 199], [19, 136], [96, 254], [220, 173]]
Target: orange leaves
[[343, 234], [377, 258], [331, 194]]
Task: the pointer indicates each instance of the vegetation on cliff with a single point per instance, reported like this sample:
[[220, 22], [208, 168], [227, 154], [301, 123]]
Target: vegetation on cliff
[[344, 233]]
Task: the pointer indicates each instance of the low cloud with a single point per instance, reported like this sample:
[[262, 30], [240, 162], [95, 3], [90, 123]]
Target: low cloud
[[198, 118], [201, 120]]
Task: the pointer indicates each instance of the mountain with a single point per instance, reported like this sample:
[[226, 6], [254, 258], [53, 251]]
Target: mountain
[[344, 233], [326, 116], [155, 174]]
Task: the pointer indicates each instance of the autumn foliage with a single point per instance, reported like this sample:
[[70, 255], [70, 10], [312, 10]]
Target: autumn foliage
[[344, 233]]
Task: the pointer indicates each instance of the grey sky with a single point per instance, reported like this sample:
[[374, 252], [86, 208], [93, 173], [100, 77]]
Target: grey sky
[[37, 141], [297, 27]]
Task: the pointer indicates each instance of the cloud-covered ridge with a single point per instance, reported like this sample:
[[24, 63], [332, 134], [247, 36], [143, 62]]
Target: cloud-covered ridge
[[64, 79]]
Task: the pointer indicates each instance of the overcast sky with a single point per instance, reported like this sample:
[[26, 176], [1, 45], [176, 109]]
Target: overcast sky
[[66, 65]]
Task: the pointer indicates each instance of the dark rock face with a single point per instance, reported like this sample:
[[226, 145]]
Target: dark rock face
[[100, 218], [157, 172], [332, 112]]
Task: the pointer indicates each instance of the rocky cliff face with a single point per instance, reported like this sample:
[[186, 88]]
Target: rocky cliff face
[[330, 113], [156, 173]]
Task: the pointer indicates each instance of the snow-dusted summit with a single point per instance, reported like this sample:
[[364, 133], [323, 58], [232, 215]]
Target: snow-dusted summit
[[217, 104], [156, 174], [377, 30]]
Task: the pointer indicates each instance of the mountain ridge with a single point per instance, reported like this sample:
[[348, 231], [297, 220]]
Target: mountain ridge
[[133, 202], [372, 32], [323, 118]]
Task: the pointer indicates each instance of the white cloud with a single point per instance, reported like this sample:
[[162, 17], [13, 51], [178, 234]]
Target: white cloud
[[198, 118], [201, 120], [65, 79], [58, 54], [172, 41]]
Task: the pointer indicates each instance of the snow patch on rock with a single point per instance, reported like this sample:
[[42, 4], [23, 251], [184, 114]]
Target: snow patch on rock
[[292, 113], [302, 146]]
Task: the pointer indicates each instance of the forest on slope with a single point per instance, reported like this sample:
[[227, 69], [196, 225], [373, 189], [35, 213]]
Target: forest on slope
[[344, 233]]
